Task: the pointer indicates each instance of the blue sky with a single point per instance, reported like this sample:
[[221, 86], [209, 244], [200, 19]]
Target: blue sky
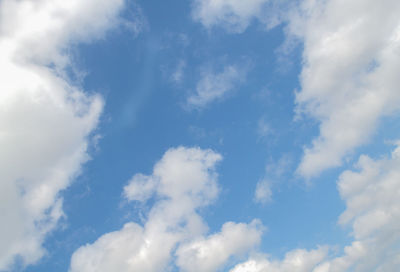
[[199, 136]]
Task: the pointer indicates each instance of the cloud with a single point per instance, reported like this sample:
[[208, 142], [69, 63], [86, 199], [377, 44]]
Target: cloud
[[211, 253], [140, 188], [350, 58], [349, 82], [264, 129], [179, 73], [233, 15], [46, 122], [182, 182], [295, 261], [348, 79], [372, 199], [275, 173], [215, 85], [263, 192]]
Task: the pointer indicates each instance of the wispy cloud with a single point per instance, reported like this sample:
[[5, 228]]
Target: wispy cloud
[[233, 15], [179, 72], [263, 192], [215, 85]]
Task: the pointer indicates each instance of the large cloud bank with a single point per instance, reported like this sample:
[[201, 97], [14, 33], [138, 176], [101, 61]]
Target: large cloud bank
[[45, 120], [349, 78]]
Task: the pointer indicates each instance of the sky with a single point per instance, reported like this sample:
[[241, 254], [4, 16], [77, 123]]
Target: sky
[[199, 135]]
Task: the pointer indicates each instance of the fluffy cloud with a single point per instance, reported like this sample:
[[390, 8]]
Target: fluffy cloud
[[216, 85], [372, 197], [209, 254], [295, 261], [45, 121], [350, 58], [348, 80], [183, 181]]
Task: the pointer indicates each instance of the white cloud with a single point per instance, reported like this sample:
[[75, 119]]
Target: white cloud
[[183, 181], [233, 15], [45, 121], [348, 79], [263, 192], [210, 253], [140, 188], [350, 58], [295, 261], [372, 197], [216, 85]]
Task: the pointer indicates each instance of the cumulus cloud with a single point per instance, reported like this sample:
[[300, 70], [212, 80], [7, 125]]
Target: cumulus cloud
[[210, 253], [372, 197], [299, 260], [348, 80], [182, 182], [350, 58], [45, 121], [140, 188], [214, 85]]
